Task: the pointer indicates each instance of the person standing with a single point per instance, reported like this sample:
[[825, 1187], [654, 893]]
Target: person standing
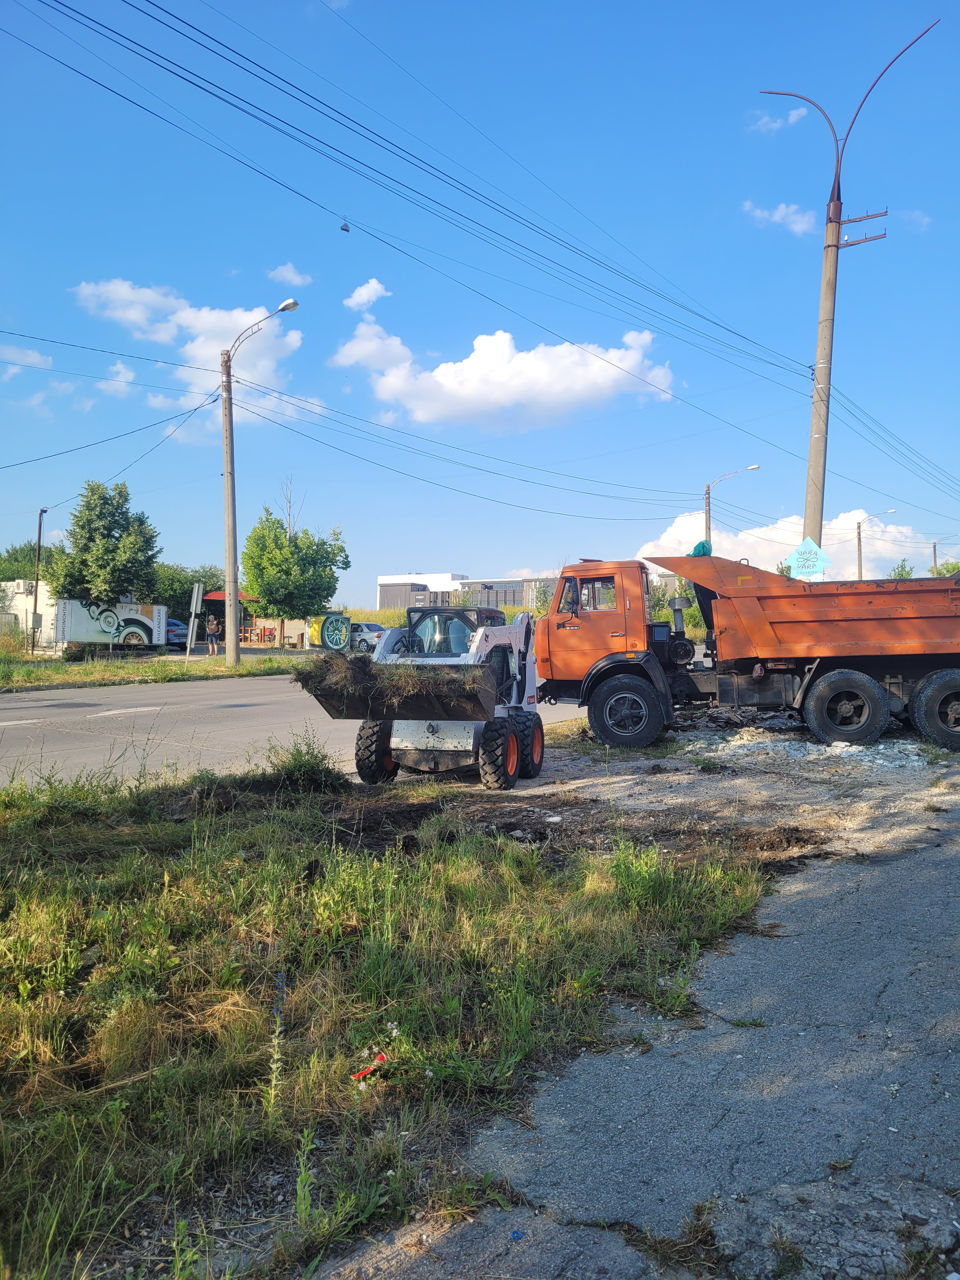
[[213, 636]]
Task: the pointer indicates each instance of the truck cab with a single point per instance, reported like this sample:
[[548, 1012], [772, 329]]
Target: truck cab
[[599, 646]]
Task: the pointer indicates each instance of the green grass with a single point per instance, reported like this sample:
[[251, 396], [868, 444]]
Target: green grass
[[190, 975], [22, 672]]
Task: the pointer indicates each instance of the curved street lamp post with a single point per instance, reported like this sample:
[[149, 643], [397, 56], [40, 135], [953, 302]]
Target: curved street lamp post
[[706, 494], [890, 512], [231, 584], [817, 457]]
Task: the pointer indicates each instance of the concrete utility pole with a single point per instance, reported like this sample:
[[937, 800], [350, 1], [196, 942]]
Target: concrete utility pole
[[231, 574], [36, 580], [934, 559], [707, 527], [817, 456], [891, 512]]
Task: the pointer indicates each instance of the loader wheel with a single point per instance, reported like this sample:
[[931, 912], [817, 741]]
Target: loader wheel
[[373, 759], [499, 755], [625, 711], [530, 732], [847, 706], [935, 708]]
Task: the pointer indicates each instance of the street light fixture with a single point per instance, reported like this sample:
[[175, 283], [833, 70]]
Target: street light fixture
[[875, 516], [231, 584], [706, 494]]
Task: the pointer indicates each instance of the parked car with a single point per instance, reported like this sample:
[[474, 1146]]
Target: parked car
[[364, 635], [178, 634]]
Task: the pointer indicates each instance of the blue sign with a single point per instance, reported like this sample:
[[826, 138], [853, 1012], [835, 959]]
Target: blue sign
[[807, 561]]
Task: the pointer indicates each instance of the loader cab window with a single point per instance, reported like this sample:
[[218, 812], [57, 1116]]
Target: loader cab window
[[598, 593], [441, 633]]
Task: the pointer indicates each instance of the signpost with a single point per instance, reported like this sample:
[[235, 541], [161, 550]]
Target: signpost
[[196, 605], [808, 561]]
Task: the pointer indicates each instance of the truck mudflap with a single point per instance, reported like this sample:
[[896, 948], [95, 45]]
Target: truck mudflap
[[649, 665]]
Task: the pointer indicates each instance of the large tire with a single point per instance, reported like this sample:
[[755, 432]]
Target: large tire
[[530, 731], [499, 755], [625, 711], [935, 708], [846, 706], [133, 637], [372, 754]]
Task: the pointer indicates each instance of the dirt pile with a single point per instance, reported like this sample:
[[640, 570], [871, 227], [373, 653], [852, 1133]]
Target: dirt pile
[[357, 688]]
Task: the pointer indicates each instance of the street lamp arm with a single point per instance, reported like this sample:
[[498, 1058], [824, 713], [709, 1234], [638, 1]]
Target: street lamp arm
[[251, 329], [846, 136], [838, 154]]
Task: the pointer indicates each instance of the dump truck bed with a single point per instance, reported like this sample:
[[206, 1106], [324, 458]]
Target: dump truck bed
[[763, 615]]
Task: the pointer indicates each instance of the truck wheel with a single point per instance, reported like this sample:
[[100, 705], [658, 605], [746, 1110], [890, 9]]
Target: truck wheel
[[935, 708], [499, 755], [530, 732], [847, 706], [372, 754], [625, 711]]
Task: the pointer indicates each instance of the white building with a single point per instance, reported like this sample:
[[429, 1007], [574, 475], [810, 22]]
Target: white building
[[19, 596]]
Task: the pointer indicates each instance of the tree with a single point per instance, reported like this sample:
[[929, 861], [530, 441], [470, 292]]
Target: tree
[[901, 570], [948, 569], [20, 560], [110, 550], [542, 597], [785, 570], [293, 575], [175, 585]]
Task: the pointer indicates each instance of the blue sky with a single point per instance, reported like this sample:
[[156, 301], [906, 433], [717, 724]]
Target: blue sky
[[600, 295]]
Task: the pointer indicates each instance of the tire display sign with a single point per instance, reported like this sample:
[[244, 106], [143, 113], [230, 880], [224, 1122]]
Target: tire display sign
[[328, 631]]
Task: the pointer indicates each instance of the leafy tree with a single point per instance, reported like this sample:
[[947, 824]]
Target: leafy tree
[[946, 569], [20, 559], [293, 573], [175, 585], [660, 601], [542, 597], [110, 551], [901, 570], [785, 570]]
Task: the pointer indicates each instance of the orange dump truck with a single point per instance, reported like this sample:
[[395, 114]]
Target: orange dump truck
[[847, 655]]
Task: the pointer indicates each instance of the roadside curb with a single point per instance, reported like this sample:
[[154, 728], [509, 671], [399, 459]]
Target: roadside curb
[[118, 684]]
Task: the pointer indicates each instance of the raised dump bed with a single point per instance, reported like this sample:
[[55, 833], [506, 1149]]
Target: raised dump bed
[[766, 616]]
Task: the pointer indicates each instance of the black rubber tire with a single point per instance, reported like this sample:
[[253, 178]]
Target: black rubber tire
[[625, 711], [846, 706], [362, 646], [935, 708], [372, 754], [530, 732], [499, 755]]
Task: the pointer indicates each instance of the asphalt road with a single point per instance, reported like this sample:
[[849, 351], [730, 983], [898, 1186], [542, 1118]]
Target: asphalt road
[[211, 724]]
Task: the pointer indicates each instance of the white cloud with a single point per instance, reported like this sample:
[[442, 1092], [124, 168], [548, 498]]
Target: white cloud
[[773, 124], [287, 273], [766, 545], [365, 295], [786, 215], [20, 356], [496, 376], [201, 333], [919, 220], [121, 377]]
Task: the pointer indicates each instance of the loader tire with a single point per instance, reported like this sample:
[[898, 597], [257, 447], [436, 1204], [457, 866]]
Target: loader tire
[[847, 706], [625, 711], [935, 708], [530, 732], [372, 755], [499, 755]]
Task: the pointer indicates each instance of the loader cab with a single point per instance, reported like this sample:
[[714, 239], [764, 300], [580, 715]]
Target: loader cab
[[447, 632]]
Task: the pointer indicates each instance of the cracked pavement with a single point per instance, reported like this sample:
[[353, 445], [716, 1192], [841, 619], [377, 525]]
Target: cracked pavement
[[833, 1125]]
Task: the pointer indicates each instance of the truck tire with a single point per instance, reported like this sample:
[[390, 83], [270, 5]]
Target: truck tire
[[499, 755], [935, 708], [846, 706], [372, 754], [625, 711], [530, 732]]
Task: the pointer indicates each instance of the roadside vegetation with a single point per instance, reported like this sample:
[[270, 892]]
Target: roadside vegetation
[[193, 976], [21, 671]]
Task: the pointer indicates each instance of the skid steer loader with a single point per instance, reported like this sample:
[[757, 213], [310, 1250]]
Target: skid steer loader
[[476, 706]]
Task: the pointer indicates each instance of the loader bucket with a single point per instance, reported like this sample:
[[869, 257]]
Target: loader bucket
[[357, 688]]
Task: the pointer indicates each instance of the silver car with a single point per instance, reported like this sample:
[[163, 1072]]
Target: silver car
[[364, 635]]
